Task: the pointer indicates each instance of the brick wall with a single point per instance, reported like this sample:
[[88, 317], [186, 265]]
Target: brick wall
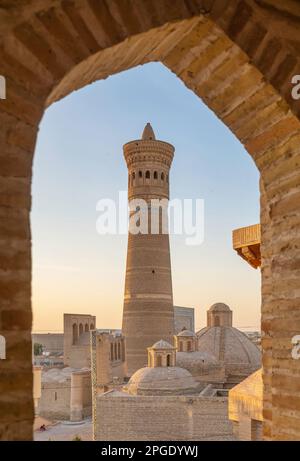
[[161, 418]]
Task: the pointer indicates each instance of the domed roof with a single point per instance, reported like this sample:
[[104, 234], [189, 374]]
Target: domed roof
[[161, 380], [186, 333], [60, 375], [219, 307], [148, 133], [196, 362], [230, 346], [161, 344]]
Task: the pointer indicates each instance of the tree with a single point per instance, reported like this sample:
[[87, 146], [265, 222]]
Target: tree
[[37, 349]]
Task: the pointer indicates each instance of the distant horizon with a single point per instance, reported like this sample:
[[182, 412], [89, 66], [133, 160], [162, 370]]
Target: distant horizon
[[243, 328], [79, 160]]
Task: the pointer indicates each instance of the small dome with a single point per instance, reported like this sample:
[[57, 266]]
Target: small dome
[[59, 375], [231, 347], [161, 380], [148, 133], [186, 333], [161, 344], [219, 307]]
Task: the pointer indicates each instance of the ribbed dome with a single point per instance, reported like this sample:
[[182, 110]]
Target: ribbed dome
[[186, 333], [231, 347], [161, 380], [219, 307], [161, 344]]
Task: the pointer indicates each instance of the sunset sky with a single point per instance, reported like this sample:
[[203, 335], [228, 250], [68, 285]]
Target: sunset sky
[[79, 160]]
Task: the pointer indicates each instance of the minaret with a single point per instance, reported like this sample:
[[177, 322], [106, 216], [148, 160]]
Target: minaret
[[148, 313]]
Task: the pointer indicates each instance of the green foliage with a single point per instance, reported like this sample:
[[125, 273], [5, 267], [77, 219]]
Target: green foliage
[[77, 438], [37, 349]]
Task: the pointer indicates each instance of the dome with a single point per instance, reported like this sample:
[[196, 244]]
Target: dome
[[186, 333], [219, 307], [162, 381], [161, 344], [231, 347], [197, 363]]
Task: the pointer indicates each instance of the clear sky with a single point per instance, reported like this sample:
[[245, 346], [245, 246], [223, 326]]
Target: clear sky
[[79, 160]]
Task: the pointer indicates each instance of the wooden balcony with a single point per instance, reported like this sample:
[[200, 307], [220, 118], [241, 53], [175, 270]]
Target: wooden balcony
[[246, 242]]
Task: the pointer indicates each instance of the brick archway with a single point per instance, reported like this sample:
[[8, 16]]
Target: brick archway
[[230, 54]]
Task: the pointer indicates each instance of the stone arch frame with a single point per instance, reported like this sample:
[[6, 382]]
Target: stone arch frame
[[80, 329], [86, 327], [239, 57]]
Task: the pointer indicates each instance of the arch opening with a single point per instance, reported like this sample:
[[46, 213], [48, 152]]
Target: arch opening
[[75, 333], [270, 138]]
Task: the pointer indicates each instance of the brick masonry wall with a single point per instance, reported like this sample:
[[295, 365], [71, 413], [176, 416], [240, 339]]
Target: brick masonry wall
[[58, 406], [55, 400], [162, 418], [51, 342]]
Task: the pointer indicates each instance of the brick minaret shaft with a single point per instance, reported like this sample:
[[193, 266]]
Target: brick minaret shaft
[[148, 313]]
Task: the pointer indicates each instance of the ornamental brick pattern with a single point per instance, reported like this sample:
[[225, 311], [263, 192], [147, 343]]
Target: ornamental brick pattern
[[238, 56]]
